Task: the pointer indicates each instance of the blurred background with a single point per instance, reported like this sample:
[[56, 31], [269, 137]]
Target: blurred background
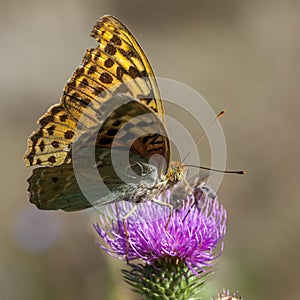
[[240, 55]]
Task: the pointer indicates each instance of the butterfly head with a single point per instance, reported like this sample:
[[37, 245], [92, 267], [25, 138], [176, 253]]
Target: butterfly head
[[177, 172]]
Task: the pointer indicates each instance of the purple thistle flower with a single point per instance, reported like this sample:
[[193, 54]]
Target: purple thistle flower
[[227, 296], [192, 234]]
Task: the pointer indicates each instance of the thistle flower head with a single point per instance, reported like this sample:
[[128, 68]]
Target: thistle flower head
[[227, 296], [191, 234], [175, 244]]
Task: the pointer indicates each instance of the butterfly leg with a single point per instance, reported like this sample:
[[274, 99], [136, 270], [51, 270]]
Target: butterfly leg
[[126, 231], [165, 204], [189, 191]]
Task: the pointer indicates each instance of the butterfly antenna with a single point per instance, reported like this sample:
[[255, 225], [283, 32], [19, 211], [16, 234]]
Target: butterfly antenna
[[203, 135], [216, 170]]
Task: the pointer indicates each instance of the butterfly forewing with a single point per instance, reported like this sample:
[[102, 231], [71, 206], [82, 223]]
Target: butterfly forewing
[[139, 130], [116, 41], [116, 65]]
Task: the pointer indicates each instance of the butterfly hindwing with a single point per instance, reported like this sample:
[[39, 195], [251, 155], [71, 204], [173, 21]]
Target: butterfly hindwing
[[59, 187], [69, 185]]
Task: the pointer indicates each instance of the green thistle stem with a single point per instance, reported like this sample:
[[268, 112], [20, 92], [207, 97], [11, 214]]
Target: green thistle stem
[[169, 278]]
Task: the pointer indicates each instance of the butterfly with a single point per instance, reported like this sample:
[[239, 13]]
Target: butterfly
[[114, 88]]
